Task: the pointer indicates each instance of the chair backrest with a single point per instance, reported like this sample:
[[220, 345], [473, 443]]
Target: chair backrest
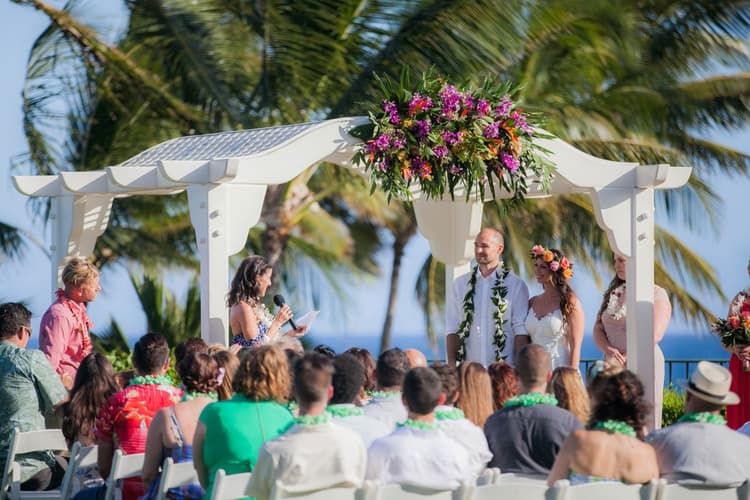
[[280, 493], [229, 487], [27, 442], [490, 475], [404, 492], [174, 475], [509, 486], [674, 491], [562, 490], [123, 467], [81, 459]]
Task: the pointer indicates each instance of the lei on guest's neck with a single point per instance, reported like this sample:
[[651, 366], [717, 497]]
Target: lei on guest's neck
[[449, 414], [78, 310], [260, 310], [615, 427], [188, 396], [531, 399], [419, 425], [384, 394], [705, 417], [323, 418], [150, 380], [558, 265], [499, 292], [617, 309], [344, 411]]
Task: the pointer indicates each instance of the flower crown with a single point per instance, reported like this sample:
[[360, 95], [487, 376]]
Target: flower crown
[[556, 264]]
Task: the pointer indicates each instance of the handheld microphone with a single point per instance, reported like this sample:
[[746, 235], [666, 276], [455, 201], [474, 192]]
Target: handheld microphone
[[279, 301]]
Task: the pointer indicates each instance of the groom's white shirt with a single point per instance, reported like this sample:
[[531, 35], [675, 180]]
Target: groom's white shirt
[[479, 345]]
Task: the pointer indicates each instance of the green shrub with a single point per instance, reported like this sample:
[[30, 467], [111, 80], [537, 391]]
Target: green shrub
[[674, 406]]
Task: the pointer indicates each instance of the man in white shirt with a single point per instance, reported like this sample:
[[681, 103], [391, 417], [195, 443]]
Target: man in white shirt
[[315, 453], [473, 319], [348, 382], [455, 424], [385, 404], [419, 453]]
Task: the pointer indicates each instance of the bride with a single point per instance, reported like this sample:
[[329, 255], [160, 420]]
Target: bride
[[555, 318]]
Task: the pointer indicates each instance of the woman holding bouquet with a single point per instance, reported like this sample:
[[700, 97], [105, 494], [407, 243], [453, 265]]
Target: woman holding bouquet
[[610, 333], [739, 414]]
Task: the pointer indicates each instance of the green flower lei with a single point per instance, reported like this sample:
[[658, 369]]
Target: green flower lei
[[452, 414], [419, 425], [345, 411], [195, 394], [150, 380], [531, 399], [615, 427], [705, 417], [385, 394], [323, 418], [499, 291]]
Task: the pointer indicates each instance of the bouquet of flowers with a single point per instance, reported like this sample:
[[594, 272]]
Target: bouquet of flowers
[[442, 138], [735, 330]]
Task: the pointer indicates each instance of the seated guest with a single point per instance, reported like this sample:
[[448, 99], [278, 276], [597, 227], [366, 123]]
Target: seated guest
[[368, 363], [325, 350], [188, 346], [504, 382], [94, 383], [567, 387], [172, 429], [611, 449], [419, 453], [228, 364], [29, 390], [348, 380], [415, 357], [455, 424], [700, 448], [385, 404], [230, 433], [124, 419], [316, 453], [526, 435], [475, 393]]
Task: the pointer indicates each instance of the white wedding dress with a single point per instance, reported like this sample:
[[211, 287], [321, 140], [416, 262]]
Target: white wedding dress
[[549, 332]]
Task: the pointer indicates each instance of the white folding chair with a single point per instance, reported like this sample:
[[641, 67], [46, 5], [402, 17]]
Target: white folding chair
[[490, 475], [123, 467], [28, 442], [404, 492], [562, 490], [82, 458], [343, 493], [175, 475], [229, 487], [675, 491], [511, 486]]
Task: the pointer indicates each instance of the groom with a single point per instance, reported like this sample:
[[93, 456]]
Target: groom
[[486, 318]]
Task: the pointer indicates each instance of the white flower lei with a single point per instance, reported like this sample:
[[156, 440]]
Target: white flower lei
[[499, 291], [261, 312], [741, 297], [613, 311]]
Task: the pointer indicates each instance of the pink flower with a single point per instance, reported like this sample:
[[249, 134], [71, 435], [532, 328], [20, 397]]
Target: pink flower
[[554, 266], [564, 263], [733, 321], [537, 250]]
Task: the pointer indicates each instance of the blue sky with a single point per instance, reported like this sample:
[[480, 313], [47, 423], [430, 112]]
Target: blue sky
[[28, 279]]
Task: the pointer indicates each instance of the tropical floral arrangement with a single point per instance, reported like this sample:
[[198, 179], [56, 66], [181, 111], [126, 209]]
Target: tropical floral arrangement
[[734, 330], [443, 138]]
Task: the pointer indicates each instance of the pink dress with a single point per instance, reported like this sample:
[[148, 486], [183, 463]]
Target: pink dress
[[617, 336], [739, 414]]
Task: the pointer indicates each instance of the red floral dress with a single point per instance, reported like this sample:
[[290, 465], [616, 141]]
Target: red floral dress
[[124, 420], [739, 414]]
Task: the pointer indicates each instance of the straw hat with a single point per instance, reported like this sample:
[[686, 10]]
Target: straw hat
[[710, 382]]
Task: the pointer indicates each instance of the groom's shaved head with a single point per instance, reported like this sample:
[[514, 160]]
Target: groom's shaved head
[[496, 235]]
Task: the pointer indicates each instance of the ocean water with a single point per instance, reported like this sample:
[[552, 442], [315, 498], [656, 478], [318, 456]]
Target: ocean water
[[681, 351]]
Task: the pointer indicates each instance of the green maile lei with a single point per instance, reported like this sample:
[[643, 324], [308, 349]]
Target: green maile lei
[[499, 292], [195, 394], [384, 394], [615, 427], [345, 411], [531, 399], [452, 414], [150, 380], [419, 425], [323, 418], [705, 417]]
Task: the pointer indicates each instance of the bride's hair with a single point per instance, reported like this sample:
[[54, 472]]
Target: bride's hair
[[560, 275]]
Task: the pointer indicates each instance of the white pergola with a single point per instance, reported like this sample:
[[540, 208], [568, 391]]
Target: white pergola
[[226, 175]]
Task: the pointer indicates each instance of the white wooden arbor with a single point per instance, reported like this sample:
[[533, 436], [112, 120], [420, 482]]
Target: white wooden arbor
[[226, 176]]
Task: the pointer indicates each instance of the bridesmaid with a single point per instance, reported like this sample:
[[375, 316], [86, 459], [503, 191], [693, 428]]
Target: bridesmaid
[[739, 414]]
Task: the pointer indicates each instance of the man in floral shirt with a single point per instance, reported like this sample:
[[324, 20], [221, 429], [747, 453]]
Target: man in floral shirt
[[29, 390]]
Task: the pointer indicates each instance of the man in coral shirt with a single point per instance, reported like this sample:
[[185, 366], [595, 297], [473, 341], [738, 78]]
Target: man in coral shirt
[[64, 330]]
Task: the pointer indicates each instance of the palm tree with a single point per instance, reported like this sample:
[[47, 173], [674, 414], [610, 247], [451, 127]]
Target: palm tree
[[623, 82]]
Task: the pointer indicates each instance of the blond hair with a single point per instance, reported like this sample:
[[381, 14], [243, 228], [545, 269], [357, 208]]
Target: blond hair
[[78, 271], [264, 375], [475, 393], [567, 387]]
